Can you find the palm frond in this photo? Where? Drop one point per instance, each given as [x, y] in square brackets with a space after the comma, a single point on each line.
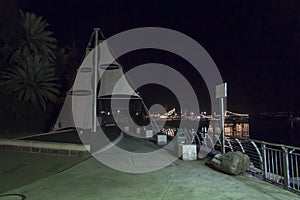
[33, 80]
[36, 39]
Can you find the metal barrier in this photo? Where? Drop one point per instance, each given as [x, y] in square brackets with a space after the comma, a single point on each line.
[281, 165]
[277, 163]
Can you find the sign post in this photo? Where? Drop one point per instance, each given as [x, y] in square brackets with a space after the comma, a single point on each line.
[221, 93]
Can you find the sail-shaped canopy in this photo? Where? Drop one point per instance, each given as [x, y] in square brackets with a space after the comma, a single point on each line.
[80, 97]
[111, 75]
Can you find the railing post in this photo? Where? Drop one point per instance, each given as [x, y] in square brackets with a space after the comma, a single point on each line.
[286, 167]
[264, 159]
[258, 152]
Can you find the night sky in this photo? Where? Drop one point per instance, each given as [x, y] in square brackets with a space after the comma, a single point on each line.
[255, 44]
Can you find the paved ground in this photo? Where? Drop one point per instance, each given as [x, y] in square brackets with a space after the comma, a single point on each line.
[91, 180]
[17, 169]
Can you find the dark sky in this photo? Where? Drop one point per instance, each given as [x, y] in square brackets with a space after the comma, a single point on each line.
[255, 44]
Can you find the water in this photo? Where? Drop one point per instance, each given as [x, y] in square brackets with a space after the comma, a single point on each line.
[231, 129]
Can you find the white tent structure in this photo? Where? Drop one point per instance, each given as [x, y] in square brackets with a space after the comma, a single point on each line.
[99, 67]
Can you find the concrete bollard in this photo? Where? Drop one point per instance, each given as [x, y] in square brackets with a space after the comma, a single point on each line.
[126, 128]
[149, 134]
[161, 139]
[187, 151]
[138, 130]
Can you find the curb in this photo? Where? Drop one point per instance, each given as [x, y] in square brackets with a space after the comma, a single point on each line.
[64, 149]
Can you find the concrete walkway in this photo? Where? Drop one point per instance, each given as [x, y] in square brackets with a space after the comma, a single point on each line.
[18, 169]
[91, 180]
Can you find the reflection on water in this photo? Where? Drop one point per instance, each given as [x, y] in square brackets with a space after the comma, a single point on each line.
[232, 128]
[236, 129]
[280, 128]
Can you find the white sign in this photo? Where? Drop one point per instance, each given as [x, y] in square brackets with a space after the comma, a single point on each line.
[221, 90]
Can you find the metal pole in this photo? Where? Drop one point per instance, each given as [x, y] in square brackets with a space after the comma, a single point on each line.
[222, 126]
[264, 160]
[221, 93]
[95, 80]
[286, 167]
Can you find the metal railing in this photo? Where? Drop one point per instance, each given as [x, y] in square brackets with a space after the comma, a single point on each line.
[281, 165]
[277, 163]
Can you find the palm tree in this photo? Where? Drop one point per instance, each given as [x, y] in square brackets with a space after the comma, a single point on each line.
[32, 79]
[35, 39]
[27, 64]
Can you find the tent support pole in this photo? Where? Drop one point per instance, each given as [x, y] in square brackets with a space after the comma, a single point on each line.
[152, 121]
[95, 80]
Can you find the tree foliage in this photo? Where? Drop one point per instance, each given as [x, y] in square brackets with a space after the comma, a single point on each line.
[32, 79]
[35, 39]
[30, 55]
[32, 69]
